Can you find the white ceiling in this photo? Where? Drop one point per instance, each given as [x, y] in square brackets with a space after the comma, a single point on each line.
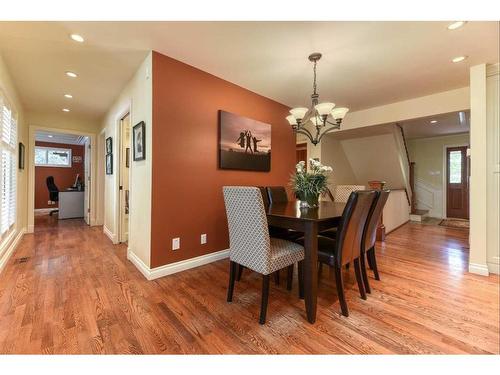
[447, 124]
[364, 64]
[68, 139]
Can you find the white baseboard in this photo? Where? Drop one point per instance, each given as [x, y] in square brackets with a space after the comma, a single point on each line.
[494, 265]
[9, 246]
[169, 269]
[479, 269]
[30, 228]
[110, 234]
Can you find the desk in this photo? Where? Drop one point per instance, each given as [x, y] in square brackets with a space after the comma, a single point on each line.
[71, 204]
[310, 221]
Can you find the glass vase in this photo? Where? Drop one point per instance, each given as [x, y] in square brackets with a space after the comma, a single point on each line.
[309, 200]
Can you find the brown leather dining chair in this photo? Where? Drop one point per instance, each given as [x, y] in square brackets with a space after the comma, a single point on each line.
[370, 236]
[345, 248]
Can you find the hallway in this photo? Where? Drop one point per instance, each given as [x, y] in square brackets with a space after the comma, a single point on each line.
[67, 289]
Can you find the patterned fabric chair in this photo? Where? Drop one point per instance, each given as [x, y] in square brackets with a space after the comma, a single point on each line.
[342, 192]
[250, 243]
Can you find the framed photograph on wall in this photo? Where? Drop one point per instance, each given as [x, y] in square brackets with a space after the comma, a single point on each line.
[21, 156]
[244, 144]
[139, 141]
[109, 164]
[109, 145]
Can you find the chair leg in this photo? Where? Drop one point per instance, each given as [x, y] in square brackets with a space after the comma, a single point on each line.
[364, 274]
[277, 277]
[265, 298]
[232, 272]
[289, 277]
[357, 271]
[371, 254]
[300, 267]
[340, 290]
[240, 272]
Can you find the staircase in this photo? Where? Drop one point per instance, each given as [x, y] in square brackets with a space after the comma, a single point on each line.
[417, 215]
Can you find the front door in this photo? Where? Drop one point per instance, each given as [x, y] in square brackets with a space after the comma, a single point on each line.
[457, 183]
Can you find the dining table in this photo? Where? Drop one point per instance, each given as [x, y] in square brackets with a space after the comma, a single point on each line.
[310, 221]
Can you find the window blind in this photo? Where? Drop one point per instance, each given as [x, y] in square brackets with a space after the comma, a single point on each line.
[8, 167]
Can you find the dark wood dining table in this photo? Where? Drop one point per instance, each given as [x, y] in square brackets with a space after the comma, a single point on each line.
[310, 221]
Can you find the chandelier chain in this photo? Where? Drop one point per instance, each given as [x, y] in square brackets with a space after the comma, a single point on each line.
[314, 84]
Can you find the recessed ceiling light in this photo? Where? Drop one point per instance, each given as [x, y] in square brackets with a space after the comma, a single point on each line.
[65, 110]
[71, 74]
[69, 96]
[50, 135]
[459, 59]
[433, 121]
[456, 25]
[77, 38]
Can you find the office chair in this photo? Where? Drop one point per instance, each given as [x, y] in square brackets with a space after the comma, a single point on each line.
[53, 192]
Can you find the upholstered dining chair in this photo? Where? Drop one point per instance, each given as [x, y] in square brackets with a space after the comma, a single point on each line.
[250, 243]
[343, 192]
[370, 236]
[345, 248]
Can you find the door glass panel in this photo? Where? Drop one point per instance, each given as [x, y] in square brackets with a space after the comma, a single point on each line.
[455, 167]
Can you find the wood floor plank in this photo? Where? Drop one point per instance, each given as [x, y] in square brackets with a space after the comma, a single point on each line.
[77, 293]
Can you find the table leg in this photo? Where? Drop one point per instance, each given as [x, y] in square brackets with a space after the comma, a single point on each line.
[311, 270]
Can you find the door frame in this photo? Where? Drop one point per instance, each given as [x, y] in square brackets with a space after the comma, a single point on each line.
[127, 109]
[445, 180]
[31, 169]
[119, 172]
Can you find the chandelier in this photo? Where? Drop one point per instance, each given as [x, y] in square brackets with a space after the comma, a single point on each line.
[323, 116]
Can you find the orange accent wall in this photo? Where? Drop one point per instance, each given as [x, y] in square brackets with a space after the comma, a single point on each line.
[63, 177]
[186, 181]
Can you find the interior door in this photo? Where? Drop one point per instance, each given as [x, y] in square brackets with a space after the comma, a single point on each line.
[124, 176]
[86, 171]
[301, 153]
[457, 183]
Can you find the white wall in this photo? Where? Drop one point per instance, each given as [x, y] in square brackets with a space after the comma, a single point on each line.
[136, 96]
[333, 155]
[375, 158]
[493, 168]
[396, 211]
[11, 238]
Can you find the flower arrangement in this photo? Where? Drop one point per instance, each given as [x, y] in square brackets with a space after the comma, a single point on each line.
[308, 186]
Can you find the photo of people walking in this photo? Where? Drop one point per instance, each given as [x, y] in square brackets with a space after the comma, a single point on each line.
[244, 143]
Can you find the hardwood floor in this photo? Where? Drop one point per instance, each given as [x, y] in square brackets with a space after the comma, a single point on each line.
[77, 293]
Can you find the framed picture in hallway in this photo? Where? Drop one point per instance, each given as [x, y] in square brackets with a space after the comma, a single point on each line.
[244, 144]
[109, 164]
[139, 141]
[109, 145]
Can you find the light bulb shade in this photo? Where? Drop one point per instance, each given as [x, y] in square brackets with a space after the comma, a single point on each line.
[339, 113]
[291, 120]
[324, 108]
[299, 112]
[316, 120]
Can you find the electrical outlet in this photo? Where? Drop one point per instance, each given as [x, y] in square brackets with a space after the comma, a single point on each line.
[203, 239]
[176, 243]
[49, 202]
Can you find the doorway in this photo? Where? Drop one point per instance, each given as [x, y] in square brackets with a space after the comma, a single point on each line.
[457, 182]
[301, 152]
[124, 178]
[60, 164]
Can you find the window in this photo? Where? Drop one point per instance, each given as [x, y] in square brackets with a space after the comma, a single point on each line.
[52, 157]
[8, 167]
[455, 167]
